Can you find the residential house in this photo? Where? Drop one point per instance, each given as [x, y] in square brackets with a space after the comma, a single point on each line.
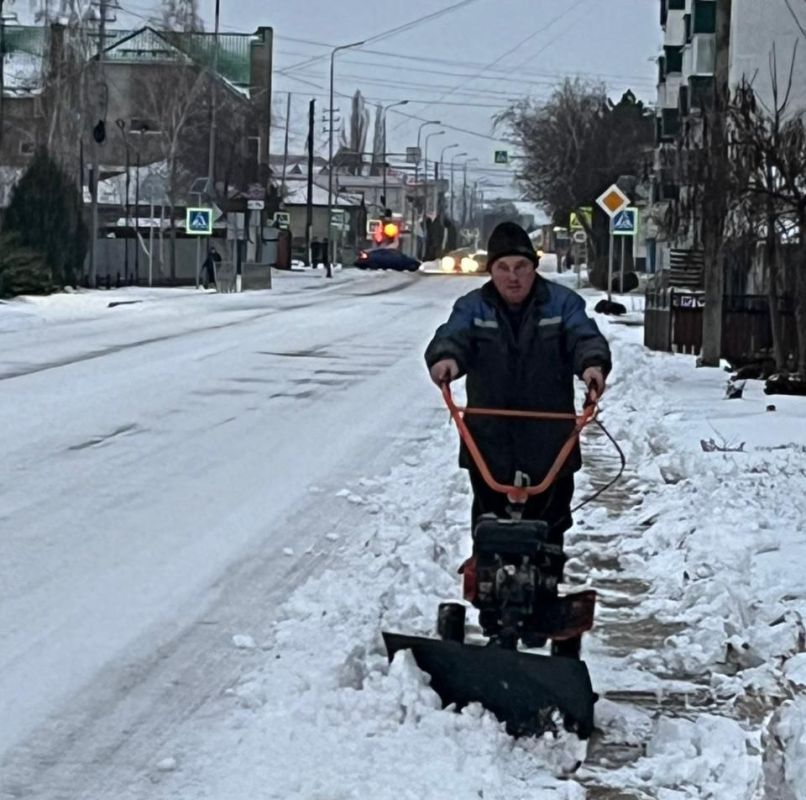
[148, 103]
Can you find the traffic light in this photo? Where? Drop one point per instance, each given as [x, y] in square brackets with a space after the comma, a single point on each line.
[387, 234]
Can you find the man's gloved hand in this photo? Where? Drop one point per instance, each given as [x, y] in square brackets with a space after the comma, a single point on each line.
[595, 381]
[444, 371]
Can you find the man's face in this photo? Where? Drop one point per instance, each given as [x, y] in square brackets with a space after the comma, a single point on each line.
[513, 277]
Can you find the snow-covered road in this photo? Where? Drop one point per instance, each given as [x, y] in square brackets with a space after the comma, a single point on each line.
[148, 448]
[211, 505]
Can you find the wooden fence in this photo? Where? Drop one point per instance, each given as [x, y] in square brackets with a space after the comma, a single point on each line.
[673, 323]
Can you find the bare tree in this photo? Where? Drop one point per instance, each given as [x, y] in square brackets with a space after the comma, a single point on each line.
[759, 135]
[173, 105]
[714, 203]
[574, 145]
[179, 15]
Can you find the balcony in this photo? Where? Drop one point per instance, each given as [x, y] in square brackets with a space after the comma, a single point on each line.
[699, 57]
[669, 92]
[675, 30]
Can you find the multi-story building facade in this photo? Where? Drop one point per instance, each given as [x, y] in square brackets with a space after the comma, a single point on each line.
[685, 90]
[761, 34]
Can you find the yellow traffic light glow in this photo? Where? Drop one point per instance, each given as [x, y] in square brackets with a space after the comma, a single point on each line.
[390, 230]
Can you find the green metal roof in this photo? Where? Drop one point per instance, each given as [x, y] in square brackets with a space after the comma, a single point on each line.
[233, 48]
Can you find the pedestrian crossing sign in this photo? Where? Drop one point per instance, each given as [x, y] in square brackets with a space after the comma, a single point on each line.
[625, 223]
[199, 221]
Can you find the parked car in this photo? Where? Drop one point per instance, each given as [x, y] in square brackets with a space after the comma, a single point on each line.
[386, 258]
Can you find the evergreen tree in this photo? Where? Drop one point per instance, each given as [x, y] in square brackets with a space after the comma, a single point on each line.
[22, 270]
[45, 216]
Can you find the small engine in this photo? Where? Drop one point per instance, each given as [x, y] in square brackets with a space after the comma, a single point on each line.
[514, 573]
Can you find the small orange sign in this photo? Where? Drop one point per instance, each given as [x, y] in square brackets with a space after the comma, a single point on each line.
[613, 201]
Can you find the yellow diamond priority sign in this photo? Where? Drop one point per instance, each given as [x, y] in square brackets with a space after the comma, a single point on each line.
[613, 201]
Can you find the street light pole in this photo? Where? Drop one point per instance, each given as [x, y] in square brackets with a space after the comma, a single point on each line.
[441, 172]
[425, 159]
[384, 109]
[329, 265]
[453, 161]
[416, 181]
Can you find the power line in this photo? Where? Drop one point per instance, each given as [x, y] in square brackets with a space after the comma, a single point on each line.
[478, 93]
[398, 29]
[520, 44]
[372, 100]
[472, 65]
[537, 78]
[442, 73]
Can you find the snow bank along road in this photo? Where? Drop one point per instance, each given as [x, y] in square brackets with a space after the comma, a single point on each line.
[212, 505]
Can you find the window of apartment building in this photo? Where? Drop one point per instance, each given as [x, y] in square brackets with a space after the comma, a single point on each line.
[674, 59]
[661, 69]
[670, 123]
[700, 91]
[683, 101]
[677, 5]
[704, 16]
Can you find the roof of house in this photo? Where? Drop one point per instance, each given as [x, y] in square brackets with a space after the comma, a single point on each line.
[297, 195]
[28, 44]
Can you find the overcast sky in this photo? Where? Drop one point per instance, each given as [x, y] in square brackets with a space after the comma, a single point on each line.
[461, 68]
[529, 43]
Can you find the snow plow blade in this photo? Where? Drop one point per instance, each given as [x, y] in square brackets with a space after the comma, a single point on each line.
[521, 689]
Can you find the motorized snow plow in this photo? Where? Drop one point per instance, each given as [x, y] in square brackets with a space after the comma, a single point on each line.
[512, 578]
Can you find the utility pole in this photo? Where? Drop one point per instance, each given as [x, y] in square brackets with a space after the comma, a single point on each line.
[714, 203]
[99, 134]
[425, 158]
[453, 161]
[285, 147]
[137, 221]
[2, 66]
[309, 203]
[213, 105]
[464, 191]
[441, 171]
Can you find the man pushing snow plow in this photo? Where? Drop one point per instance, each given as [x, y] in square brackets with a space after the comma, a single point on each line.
[519, 340]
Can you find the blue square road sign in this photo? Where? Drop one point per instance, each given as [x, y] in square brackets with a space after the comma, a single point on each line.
[625, 223]
[199, 221]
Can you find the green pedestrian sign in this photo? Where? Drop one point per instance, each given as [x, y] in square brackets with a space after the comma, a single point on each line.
[501, 157]
[199, 221]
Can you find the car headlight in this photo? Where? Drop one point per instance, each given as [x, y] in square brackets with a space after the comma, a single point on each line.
[447, 264]
[469, 265]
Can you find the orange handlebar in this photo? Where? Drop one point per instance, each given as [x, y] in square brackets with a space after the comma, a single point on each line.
[517, 494]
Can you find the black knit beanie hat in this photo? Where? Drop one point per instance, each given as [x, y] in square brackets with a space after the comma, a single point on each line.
[509, 239]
